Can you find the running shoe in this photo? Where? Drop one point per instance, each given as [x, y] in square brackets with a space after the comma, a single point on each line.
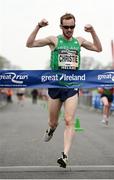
[105, 122]
[48, 134]
[63, 160]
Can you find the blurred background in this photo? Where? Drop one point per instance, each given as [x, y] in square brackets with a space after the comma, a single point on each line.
[19, 17]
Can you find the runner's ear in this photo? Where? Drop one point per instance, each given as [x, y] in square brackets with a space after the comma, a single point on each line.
[61, 26]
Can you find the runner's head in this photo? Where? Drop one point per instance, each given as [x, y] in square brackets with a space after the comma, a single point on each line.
[67, 24]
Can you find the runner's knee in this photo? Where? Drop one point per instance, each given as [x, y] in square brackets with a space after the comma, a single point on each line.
[69, 121]
[106, 105]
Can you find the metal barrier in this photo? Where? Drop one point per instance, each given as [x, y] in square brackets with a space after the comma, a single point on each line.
[3, 99]
[89, 100]
[96, 102]
[85, 100]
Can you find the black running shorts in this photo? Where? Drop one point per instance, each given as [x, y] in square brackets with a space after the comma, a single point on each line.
[108, 96]
[62, 94]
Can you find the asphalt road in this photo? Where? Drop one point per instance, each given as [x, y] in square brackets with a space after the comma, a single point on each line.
[24, 155]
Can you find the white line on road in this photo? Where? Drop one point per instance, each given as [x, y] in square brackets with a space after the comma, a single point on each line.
[56, 168]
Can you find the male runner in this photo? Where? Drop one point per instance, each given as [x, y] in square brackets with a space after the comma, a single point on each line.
[65, 54]
[106, 98]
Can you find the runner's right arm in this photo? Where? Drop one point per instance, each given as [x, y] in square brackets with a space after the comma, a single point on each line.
[32, 42]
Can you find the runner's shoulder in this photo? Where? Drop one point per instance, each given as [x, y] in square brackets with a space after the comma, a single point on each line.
[53, 41]
[80, 39]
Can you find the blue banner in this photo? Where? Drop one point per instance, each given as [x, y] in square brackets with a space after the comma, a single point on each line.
[56, 78]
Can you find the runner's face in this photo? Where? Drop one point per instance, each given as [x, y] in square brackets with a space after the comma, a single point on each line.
[68, 28]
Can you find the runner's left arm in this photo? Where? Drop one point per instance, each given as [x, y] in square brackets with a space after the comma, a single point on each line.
[93, 46]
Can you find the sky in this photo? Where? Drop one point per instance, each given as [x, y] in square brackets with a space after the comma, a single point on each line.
[18, 18]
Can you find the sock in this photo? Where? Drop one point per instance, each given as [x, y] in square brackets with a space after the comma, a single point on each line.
[64, 155]
[51, 131]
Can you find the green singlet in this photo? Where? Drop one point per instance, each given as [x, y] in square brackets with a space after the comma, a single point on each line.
[108, 91]
[66, 55]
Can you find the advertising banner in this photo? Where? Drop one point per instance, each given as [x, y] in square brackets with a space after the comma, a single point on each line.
[56, 78]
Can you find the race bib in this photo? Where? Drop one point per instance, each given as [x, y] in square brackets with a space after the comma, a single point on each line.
[68, 59]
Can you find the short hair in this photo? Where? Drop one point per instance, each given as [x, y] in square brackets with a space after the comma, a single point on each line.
[67, 16]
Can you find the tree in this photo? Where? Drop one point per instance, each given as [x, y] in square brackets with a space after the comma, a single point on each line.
[4, 63]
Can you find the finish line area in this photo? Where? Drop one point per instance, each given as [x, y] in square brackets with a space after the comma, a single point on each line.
[54, 172]
[56, 168]
[56, 78]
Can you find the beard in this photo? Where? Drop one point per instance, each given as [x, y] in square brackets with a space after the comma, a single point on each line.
[68, 34]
